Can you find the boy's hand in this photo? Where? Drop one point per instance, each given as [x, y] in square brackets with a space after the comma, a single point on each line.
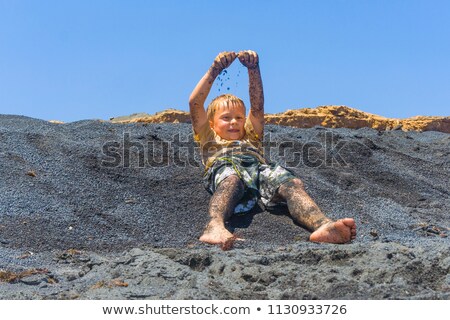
[249, 58]
[223, 61]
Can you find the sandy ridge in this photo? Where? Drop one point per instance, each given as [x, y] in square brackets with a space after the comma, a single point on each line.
[325, 116]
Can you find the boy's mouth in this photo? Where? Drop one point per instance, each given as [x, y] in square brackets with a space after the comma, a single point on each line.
[233, 130]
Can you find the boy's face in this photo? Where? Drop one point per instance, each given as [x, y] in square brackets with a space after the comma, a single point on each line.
[229, 120]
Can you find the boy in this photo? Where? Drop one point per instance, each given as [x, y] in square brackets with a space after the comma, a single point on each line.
[236, 173]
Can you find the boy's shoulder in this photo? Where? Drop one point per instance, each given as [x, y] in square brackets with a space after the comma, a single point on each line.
[203, 133]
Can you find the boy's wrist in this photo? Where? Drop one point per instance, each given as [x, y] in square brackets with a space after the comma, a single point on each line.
[253, 68]
[214, 71]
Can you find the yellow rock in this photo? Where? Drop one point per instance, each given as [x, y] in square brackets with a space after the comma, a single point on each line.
[326, 116]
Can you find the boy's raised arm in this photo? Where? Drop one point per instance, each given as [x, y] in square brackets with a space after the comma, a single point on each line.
[201, 91]
[251, 61]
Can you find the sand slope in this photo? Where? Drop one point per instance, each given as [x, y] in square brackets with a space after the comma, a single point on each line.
[74, 224]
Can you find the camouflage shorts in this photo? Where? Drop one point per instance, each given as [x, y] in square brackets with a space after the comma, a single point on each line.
[260, 180]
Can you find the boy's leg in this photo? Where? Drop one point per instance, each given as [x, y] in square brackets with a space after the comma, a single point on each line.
[221, 208]
[306, 212]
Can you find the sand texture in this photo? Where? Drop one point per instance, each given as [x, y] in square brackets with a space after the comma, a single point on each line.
[77, 224]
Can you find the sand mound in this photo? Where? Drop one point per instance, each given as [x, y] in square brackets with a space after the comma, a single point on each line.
[325, 116]
[99, 210]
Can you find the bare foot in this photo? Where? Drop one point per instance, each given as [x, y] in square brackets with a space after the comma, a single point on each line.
[340, 231]
[216, 233]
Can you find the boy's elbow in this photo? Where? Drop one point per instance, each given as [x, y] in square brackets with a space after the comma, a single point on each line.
[193, 105]
[193, 101]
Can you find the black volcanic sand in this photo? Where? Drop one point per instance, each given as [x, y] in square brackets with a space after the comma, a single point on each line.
[76, 225]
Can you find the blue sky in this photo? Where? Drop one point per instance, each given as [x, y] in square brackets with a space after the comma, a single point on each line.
[74, 60]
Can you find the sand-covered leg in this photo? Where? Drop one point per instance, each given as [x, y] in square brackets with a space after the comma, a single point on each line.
[221, 208]
[305, 211]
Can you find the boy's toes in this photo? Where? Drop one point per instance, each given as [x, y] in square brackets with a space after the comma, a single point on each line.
[349, 222]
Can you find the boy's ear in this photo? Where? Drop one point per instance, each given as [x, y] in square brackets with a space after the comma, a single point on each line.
[211, 123]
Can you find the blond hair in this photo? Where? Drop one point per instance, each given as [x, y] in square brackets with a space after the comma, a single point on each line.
[229, 99]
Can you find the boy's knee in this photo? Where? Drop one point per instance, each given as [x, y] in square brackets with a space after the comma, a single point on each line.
[294, 183]
[290, 186]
